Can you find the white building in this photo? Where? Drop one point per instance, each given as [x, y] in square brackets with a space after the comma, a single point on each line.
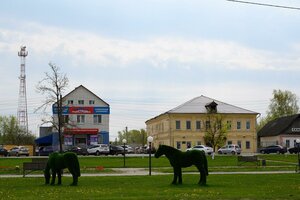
[86, 116]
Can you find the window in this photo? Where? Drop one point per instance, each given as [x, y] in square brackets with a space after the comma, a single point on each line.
[239, 143]
[80, 119]
[80, 102]
[238, 125]
[247, 144]
[178, 145]
[66, 119]
[198, 142]
[247, 125]
[70, 102]
[188, 144]
[91, 102]
[287, 143]
[177, 125]
[97, 119]
[228, 125]
[188, 125]
[229, 142]
[198, 125]
[207, 125]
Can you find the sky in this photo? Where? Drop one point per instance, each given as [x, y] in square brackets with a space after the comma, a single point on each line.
[147, 57]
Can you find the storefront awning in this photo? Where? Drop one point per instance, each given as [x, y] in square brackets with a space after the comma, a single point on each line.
[46, 140]
[90, 131]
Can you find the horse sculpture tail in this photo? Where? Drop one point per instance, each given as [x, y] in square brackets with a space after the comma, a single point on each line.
[77, 167]
[206, 165]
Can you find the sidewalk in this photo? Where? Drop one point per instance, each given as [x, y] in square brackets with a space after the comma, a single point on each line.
[145, 172]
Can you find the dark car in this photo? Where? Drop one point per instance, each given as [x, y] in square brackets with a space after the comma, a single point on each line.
[273, 149]
[45, 150]
[116, 150]
[3, 151]
[294, 150]
[78, 150]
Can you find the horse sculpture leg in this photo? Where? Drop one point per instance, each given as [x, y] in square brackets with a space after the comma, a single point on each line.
[59, 177]
[203, 174]
[53, 177]
[177, 174]
[74, 175]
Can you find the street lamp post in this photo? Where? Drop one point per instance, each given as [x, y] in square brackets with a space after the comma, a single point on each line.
[150, 140]
[124, 143]
[298, 149]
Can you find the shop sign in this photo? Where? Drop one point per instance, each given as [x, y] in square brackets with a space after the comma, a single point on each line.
[295, 129]
[82, 110]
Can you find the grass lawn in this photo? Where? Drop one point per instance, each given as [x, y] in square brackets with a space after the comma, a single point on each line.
[264, 186]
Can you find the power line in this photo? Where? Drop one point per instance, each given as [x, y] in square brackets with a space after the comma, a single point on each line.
[264, 4]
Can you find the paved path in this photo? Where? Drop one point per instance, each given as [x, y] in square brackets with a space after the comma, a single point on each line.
[145, 172]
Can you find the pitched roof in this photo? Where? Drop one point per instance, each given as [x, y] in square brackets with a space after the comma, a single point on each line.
[81, 86]
[278, 126]
[199, 104]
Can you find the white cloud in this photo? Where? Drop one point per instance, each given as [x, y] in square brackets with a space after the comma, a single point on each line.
[162, 52]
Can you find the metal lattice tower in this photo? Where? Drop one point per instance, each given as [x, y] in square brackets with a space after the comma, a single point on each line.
[22, 103]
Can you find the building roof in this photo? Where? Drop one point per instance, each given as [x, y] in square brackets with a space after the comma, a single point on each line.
[278, 126]
[81, 86]
[200, 104]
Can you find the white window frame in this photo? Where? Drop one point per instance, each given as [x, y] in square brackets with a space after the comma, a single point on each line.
[80, 119]
[97, 119]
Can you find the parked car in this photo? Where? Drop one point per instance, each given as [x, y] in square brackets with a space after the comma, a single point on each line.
[18, 151]
[230, 149]
[207, 150]
[116, 150]
[78, 150]
[45, 150]
[3, 151]
[294, 150]
[273, 149]
[128, 149]
[98, 149]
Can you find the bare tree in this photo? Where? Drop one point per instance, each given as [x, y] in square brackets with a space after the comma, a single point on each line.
[216, 130]
[53, 86]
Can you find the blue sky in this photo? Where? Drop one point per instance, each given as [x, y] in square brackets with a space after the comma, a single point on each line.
[146, 57]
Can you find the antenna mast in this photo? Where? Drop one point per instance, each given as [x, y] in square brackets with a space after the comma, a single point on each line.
[22, 104]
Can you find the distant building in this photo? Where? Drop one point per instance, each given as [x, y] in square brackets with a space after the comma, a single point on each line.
[281, 131]
[185, 125]
[87, 116]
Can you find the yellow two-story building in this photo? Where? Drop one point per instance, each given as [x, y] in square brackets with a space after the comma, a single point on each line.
[186, 125]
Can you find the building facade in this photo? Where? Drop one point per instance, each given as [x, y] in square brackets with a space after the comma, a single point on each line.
[186, 125]
[86, 118]
[282, 131]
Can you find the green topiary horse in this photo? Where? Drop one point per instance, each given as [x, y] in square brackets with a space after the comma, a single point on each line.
[179, 159]
[57, 162]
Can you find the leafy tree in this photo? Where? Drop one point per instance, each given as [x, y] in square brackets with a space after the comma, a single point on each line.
[53, 85]
[283, 103]
[11, 133]
[216, 130]
[133, 136]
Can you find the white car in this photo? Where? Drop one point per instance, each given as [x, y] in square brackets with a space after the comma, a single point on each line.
[98, 149]
[207, 150]
[128, 149]
[230, 149]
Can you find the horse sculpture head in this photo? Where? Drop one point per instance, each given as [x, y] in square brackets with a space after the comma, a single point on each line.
[160, 151]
